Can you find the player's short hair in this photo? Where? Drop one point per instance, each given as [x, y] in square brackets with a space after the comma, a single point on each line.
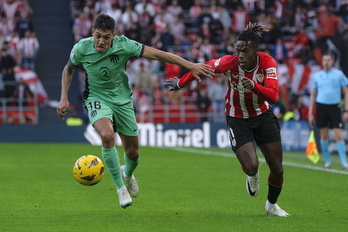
[329, 54]
[251, 33]
[104, 22]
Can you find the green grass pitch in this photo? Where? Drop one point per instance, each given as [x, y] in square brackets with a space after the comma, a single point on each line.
[181, 189]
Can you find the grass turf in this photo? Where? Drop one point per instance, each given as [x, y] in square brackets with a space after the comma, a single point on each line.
[181, 189]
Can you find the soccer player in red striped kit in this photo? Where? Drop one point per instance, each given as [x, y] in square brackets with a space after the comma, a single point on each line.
[253, 86]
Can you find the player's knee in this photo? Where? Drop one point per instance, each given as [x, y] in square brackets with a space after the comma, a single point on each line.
[132, 153]
[107, 137]
[277, 174]
[250, 169]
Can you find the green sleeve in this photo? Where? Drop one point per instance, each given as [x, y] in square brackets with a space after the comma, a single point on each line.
[75, 55]
[134, 48]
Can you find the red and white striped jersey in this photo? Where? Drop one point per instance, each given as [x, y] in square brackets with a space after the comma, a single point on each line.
[241, 102]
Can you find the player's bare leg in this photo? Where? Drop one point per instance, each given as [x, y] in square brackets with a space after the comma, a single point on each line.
[247, 157]
[274, 157]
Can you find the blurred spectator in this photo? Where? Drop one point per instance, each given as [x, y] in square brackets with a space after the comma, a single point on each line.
[22, 94]
[166, 39]
[302, 106]
[157, 94]
[10, 9]
[279, 51]
[175, 9]
[6, 26]
[7, 65]
[23, 24]
[225, 18]
[208, 50]
[344, 10]
[215, 92]
[216, 30]
[143, 105]
[133, 32]
[328, 27]
[145, 6]
[129, 16]
[204, 18]
[240, 18]
[302, 46]
[102, 6]
[28, 47]
[144, 79]
[178, 29]
[194, 12]
[279, 108]
[2, 40]
[115, 11]
[203, 104]
[174, 97]
[172, 70]
[82, 26]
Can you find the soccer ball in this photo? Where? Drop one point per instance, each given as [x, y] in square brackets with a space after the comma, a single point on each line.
[88, 170]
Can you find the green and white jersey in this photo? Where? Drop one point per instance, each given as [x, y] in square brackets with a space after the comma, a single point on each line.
[106, 77]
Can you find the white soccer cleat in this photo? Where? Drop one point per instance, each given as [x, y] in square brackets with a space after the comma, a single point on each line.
[275, 210]
[345, 167]
[131, 183]
[327, 166]
[124, 197]
[252, 185]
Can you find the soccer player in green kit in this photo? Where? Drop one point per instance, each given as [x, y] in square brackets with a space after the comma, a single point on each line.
[108, 97]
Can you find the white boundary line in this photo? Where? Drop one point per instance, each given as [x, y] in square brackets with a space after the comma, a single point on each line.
[224, 154]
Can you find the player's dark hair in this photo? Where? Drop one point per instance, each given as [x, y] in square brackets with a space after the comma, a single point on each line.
[104, 22]
[251, 33]
[329, 54]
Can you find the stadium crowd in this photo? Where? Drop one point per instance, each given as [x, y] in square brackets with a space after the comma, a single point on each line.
[18, 49]
[198, 30]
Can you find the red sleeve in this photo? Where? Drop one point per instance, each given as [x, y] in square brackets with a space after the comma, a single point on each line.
[220, 65]
[270, 89]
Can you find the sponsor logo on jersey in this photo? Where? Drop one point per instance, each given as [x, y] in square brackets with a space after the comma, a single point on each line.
[271, 73]
[114, 58]
[93, 113]
[105, 73]
[217, 62]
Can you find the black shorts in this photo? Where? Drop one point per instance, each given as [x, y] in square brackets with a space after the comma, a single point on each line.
[262, 129]
[328, 116]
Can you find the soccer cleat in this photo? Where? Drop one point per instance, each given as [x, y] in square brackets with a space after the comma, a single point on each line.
[327, 166]
[275, 210]
[252, 185]
[131, 183]
[345, 167]
[124, 198]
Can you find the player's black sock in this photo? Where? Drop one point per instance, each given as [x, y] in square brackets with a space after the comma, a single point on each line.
[274, 189]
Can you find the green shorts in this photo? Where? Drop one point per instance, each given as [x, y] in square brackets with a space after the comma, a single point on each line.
[122, 116]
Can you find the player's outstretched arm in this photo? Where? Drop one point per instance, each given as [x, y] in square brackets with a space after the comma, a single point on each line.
[198, 69]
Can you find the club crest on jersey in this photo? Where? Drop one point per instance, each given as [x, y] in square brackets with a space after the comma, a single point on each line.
[260, 77]
[72, 53]
[114, 58]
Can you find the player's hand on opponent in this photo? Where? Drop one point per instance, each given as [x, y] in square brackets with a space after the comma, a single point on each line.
[200, 69]
[62, 107]
[172, 84]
